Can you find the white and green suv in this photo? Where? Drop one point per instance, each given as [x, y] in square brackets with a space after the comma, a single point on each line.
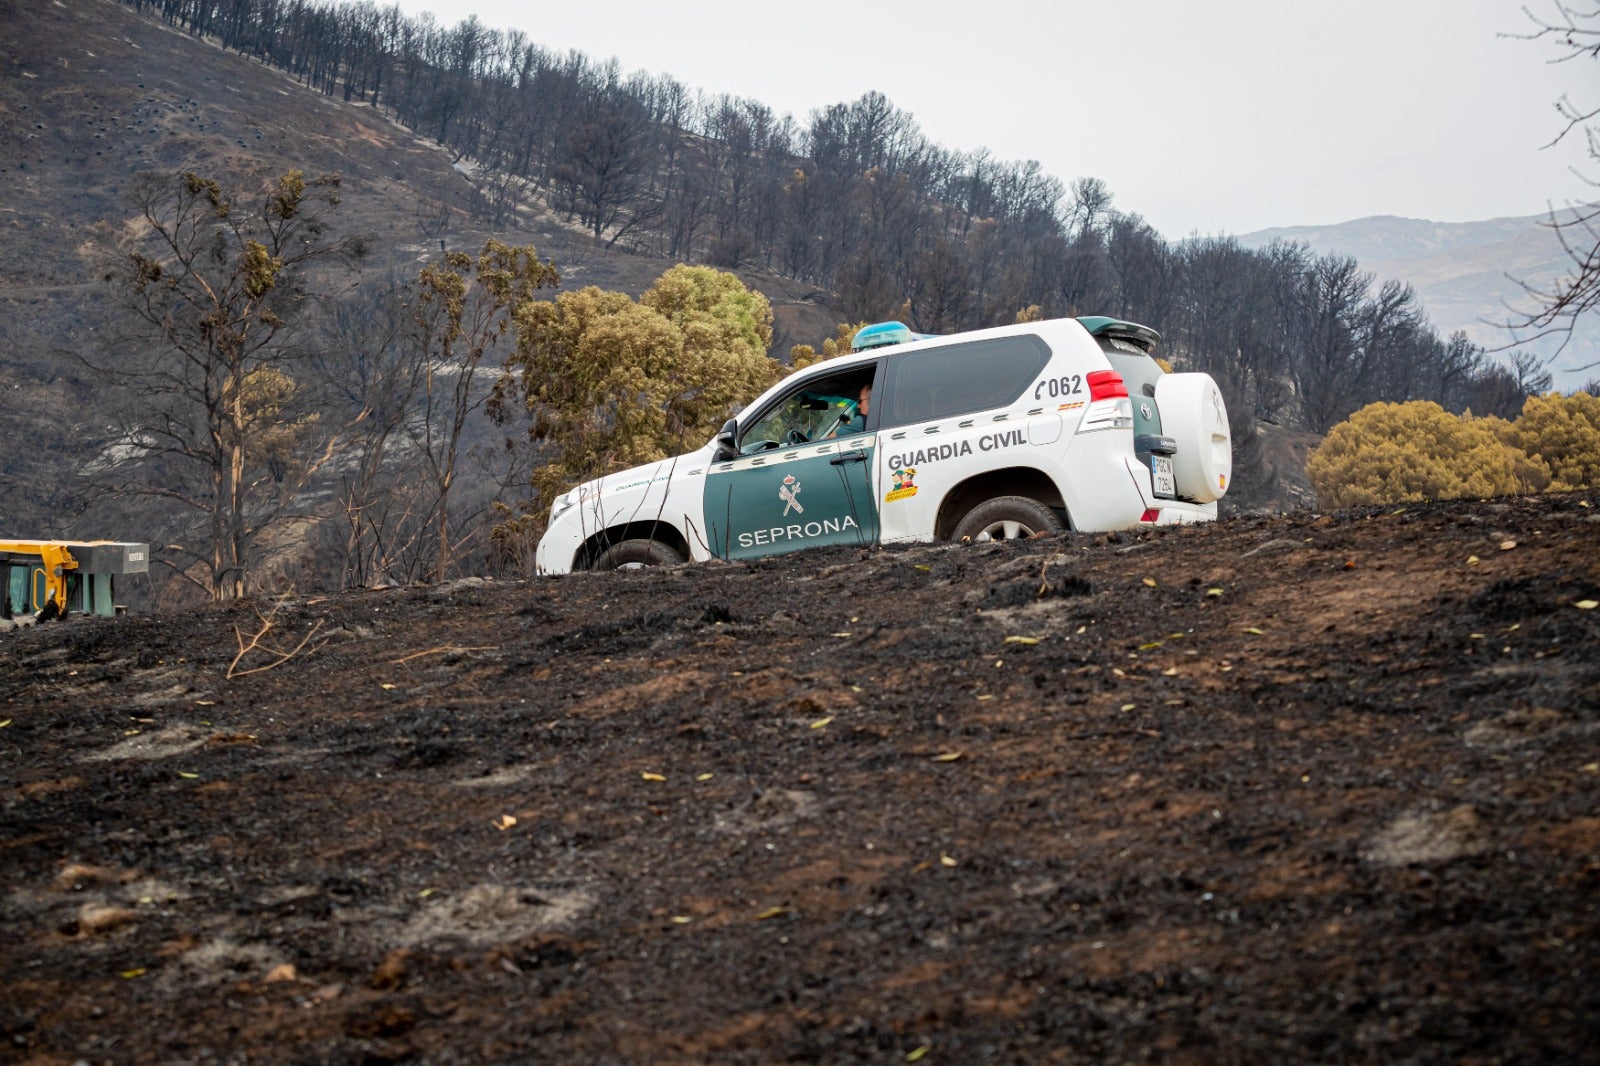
[989, 435]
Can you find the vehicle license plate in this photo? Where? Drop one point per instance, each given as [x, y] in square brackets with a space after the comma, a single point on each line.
[1161, 475]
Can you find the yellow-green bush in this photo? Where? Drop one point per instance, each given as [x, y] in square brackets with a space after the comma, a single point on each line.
[1564, 432]
[1415, 451]
[610, 383]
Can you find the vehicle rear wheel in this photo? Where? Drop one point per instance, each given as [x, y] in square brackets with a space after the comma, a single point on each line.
[1006, 518]
[636, 555]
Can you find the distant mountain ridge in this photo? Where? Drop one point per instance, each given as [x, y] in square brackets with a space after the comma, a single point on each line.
[1466, 275]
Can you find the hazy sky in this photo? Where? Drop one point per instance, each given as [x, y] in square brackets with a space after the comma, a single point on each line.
[1204, 116]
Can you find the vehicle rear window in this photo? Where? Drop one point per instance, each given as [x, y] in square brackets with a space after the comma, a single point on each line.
[1138, 368]
[961, 379]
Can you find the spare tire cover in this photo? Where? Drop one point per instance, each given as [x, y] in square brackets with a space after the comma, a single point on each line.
[1194, 416]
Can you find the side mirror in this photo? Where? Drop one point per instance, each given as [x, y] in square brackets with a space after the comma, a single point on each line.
[724, 441]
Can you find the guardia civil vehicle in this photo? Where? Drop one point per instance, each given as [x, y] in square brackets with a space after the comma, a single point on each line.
[989, 435]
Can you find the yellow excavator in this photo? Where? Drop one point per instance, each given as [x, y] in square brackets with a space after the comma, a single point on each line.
[47, 579]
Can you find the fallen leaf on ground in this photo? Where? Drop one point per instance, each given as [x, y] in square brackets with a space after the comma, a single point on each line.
[1022, 640]
[186, 774]
[680, 919]
[947, 756]
[1582, 605]
[1150, 582]
[1253, 631]
[915, 1054]
[139, 971]
[280, 973]
[945, 860]
[1507, 545]
[704, 777]
[648, 776]
[391, 972]
[821, 722]
[505, 821]
[772, 912]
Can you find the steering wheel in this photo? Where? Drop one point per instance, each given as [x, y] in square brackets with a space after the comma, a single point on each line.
[794, 436]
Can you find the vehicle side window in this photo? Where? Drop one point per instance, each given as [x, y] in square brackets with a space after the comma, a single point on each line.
[961, 379]
[820, 409]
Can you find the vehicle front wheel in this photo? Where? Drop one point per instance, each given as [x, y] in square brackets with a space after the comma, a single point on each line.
[1007, 518]
[637, 554]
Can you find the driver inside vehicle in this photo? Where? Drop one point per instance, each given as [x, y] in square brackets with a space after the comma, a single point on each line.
[856, 420]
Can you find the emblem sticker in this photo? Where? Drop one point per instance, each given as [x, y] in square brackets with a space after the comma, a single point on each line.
[904, 487]
[787, 493]
[811, 530]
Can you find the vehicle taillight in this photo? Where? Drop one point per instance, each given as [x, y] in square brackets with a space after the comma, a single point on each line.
[1109, 405]
[1105, 385]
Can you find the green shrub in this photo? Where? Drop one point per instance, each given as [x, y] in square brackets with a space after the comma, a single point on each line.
[1564, 432]
[1416, 451]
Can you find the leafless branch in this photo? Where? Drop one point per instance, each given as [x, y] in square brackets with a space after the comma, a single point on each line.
[254, 643]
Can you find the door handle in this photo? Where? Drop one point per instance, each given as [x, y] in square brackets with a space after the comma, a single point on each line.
[851, 457]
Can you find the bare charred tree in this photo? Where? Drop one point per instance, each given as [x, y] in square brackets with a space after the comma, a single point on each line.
[1328, 363]
[462, 310]
[606, 169]
[941, 289]
[1457, 365]
[1143, 270]
[214, 414]
[373, 376]
[1531, 376]
[1576, 33]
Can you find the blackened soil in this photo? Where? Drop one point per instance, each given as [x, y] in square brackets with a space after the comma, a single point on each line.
[1299, 789]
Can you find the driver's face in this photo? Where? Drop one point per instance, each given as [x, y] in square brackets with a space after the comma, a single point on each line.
[866, 398]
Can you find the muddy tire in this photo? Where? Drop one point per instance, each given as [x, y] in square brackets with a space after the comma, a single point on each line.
[636, 555]
[1006, 518]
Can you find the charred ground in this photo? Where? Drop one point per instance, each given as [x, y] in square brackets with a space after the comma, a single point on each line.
[1314, 788]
